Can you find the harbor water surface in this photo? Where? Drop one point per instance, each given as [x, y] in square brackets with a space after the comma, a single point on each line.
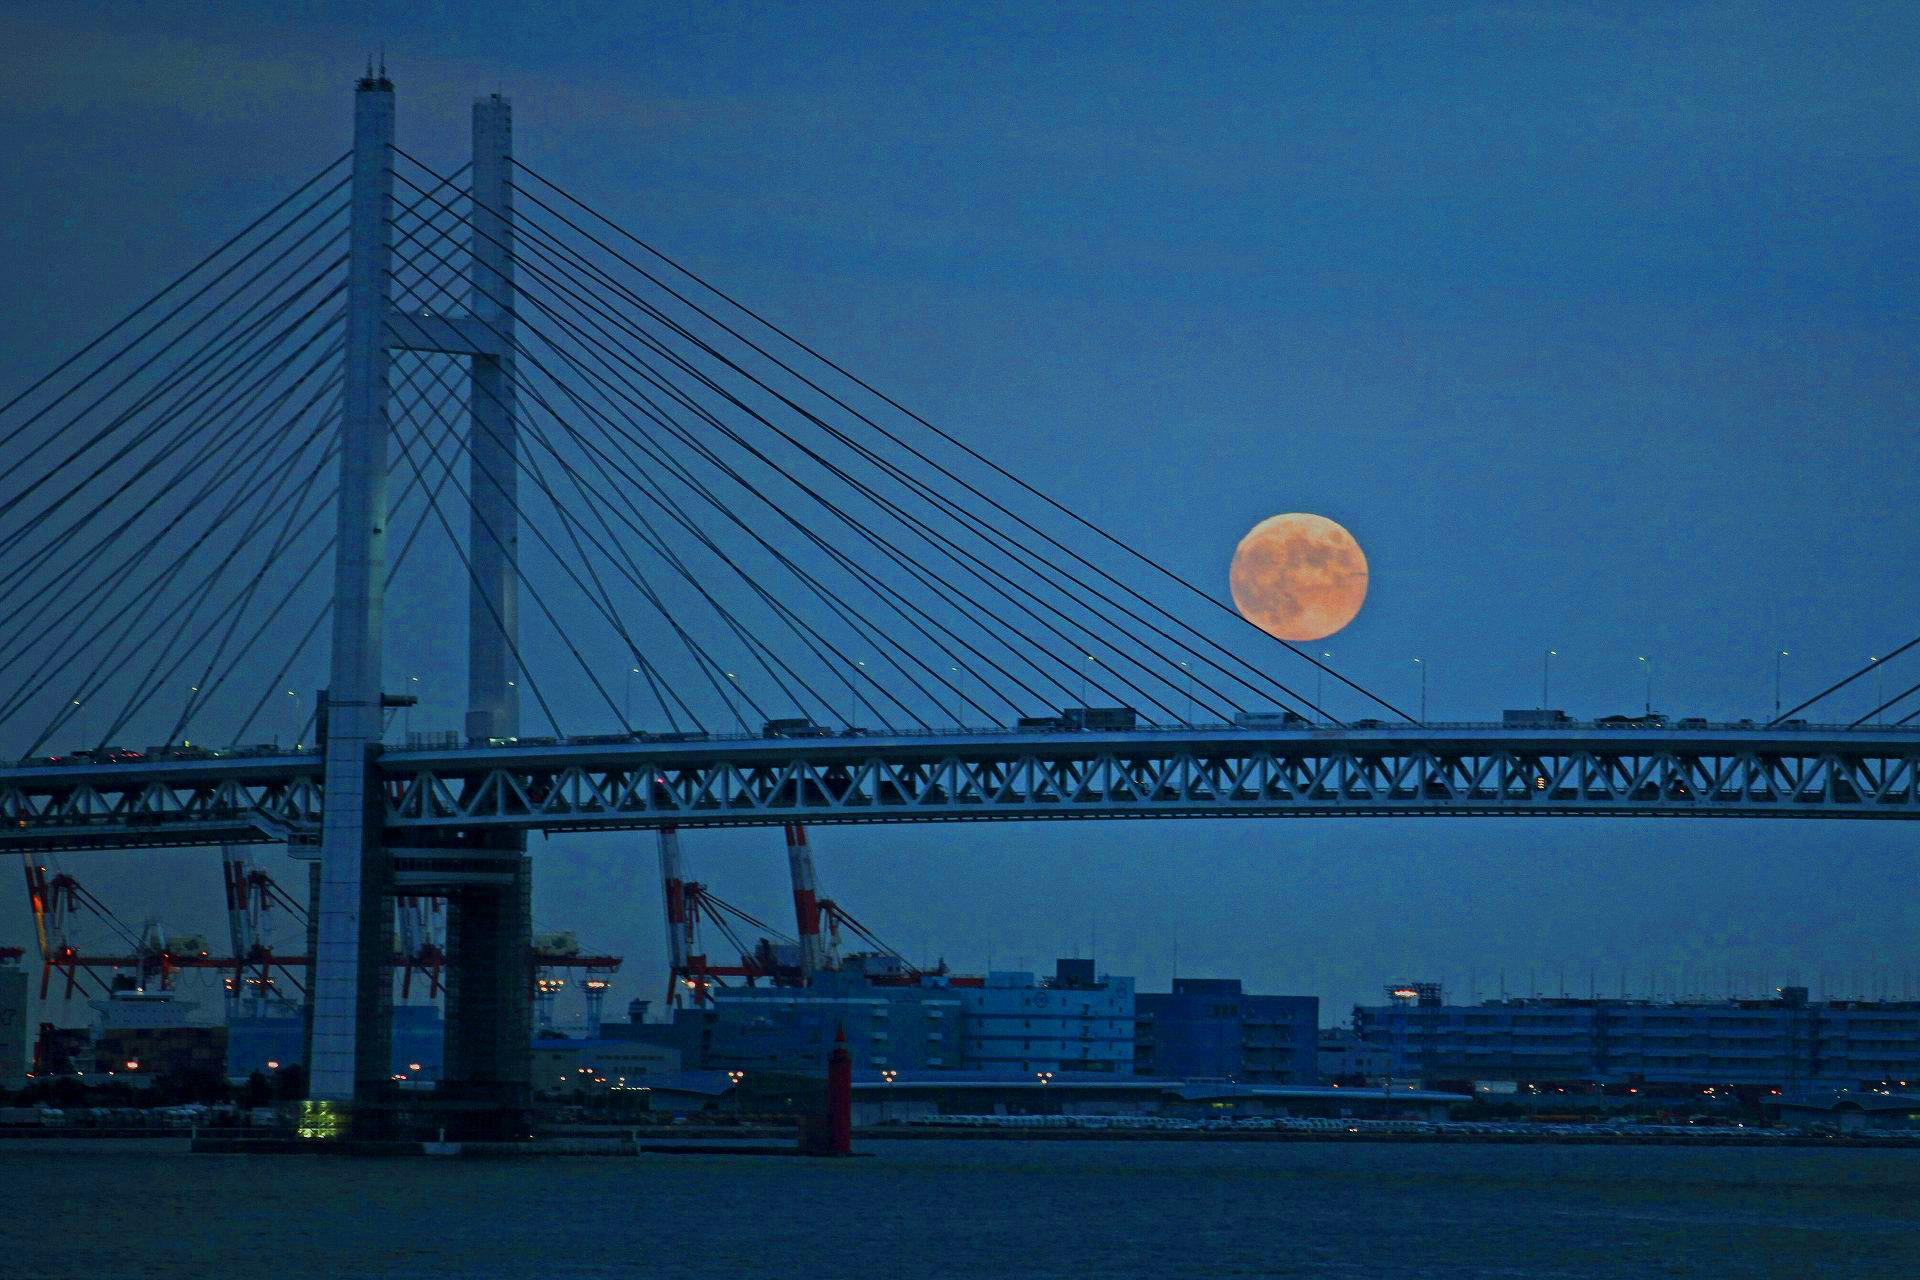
[972, 1209]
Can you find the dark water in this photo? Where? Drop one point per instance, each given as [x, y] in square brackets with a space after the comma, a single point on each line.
[972, 1209]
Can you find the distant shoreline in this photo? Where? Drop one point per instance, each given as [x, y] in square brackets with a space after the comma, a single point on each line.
[622, 1140]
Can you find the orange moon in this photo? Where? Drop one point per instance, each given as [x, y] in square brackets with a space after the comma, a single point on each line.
[1297, 576]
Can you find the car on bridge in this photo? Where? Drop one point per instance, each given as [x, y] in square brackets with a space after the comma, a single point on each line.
[795, 727]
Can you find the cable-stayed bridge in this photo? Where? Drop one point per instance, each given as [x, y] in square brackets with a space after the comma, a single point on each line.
[696, 573]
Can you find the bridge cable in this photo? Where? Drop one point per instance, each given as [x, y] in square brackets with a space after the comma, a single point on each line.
[607, 607]
[239, 438]
[1841, 684]
[965, 559]
[101, 435]
[270, 505]
[944, 545]
[289, 529]
[153, 592]
[604, 603]
[679, 470]
[851, 566]
[129, 317]
[225, 338]
[326, 607]
[1902, 696]
[473, 576]
[759, 649]
[971, 452]
[899, 557]
[917, 567]
[236, 461]
[238, 366]
[540, 534]
[647, 667]
[96, 680]
[885, 504]
[534, 360]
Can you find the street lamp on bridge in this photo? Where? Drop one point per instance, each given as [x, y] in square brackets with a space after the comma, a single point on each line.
[853, 699]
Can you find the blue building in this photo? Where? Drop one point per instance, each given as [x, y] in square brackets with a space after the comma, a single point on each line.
[1076, 1020]
[1210, 1029]
[893, 1020]
[268, 1041]
[1787, 1043]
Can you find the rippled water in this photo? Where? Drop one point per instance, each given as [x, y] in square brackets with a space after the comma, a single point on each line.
[973, 1209]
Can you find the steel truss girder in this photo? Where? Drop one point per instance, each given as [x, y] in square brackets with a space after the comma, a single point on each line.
[1317, 779]
[999, 777]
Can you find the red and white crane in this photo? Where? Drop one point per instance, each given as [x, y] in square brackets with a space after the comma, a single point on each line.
[692, 975]
[814, 952]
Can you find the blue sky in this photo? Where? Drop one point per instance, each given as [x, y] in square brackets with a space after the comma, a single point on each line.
[1594, 324]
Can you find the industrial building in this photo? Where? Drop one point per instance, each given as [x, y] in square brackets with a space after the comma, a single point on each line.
[268, 1040]
[1347, 1059]
[892, 1097]
[1076, 1020]
[888, 1022]
[563, 1067]
[1854, 1111]
[899, 1019]
[13, 1019]
[1209, 1029]
[1787, 1042]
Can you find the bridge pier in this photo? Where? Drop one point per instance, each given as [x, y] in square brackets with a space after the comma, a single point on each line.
[485, 1080]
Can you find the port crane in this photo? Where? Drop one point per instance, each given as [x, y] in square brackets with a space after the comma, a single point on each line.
[253, 970]
[775, 957]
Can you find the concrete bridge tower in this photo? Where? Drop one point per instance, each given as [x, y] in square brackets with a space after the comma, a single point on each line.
[486, 878]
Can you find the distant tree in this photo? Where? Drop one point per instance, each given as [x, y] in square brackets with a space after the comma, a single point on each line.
[290, 1083]
[201, 1084]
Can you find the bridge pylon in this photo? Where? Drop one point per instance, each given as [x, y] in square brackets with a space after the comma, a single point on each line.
[486, 877]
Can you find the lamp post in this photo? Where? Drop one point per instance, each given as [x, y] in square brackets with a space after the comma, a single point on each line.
[960, 694]
[1546, 674]
[1085, 668]
[1779, 666]
[416, 698]
[1189, 670]
[626, 700]
[1319, 683]
[853, 699]
[1648, 707]
[733, 701]
[1880, 699]
[81, 712]
[298, 723]
[1423, 689]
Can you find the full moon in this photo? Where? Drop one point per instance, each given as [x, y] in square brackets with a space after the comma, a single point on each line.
[1297, 576]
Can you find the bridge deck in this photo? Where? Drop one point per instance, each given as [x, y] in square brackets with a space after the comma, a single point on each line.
[1182, 771]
